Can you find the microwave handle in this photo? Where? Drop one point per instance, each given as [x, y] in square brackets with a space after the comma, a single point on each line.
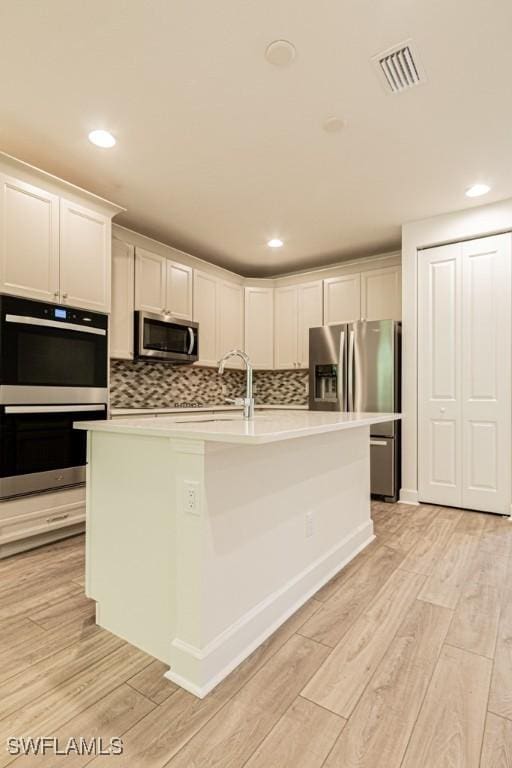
[52, 408]
[192, 339]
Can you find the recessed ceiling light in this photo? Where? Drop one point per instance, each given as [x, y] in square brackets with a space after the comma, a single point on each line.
[102, 139]
[280, 53]
[477, 189]
[275, 243]
[333, 125]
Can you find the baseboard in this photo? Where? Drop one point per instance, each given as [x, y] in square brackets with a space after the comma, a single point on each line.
[408, 496]
[201, 669]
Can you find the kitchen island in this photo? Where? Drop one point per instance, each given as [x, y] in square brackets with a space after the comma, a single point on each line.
[205, 534]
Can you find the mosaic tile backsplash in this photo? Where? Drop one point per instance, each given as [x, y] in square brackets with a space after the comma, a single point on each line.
[159, 385]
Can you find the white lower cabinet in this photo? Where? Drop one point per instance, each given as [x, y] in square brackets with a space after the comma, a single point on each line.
[30, 521]
[259, 326]
[121, 319]
[464, 374]
[297, 309]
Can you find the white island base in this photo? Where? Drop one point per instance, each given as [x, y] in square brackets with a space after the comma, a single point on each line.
[198, 549]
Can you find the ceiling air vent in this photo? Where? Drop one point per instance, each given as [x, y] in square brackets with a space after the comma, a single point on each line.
[399, 68]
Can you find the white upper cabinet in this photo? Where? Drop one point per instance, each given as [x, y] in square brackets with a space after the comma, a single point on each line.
[381, 294]
[206, 314]
[85, 255]
[53, 249]
[310, 316]
[121, 320]
[342, 299]
[179, 289]
[150, 282]
[230, 319]
[29, 240]
[219, 310]
[297, 309]
[259, 326]
[286, 350]
[162, 286]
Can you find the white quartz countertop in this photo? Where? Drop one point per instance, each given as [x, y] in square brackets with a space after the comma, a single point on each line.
[200, 409]
[266, 427]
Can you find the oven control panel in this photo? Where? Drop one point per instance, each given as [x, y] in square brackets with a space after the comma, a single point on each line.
[14, 305]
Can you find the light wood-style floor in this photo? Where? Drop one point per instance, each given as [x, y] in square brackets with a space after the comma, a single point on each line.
[404, 659]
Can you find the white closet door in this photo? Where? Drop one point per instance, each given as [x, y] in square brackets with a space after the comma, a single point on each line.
[464, 385]
[439, 379]
[486, 355]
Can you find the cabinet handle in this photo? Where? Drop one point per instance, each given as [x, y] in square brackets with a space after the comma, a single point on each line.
[56, 294]
[64, 296]
[56, 518]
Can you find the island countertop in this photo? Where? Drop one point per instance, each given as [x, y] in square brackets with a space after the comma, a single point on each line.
[268, 427]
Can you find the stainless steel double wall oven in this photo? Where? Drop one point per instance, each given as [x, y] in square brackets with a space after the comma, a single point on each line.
[53, 372]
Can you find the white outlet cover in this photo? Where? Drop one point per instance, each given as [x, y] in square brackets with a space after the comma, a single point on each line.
[192, 497]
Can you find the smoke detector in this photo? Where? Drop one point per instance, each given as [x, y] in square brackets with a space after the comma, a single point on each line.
[399, 68]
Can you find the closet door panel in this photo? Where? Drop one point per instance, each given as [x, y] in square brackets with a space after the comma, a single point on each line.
[486, 355]
[439, 388]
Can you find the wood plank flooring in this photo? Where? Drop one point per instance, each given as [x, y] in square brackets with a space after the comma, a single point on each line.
[404, 660]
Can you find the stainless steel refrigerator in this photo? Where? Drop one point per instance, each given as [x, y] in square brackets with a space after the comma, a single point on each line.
[357, 367]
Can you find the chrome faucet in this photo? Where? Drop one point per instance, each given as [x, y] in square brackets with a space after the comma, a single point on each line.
[248, 400]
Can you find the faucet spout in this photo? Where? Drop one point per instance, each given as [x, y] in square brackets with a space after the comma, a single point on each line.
[248, 400]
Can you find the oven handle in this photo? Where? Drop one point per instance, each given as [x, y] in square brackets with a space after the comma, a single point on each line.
[54, 324]
[52, 408]
[191, 337]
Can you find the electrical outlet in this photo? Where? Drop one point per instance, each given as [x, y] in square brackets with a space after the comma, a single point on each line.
[309, 524]
[191, 499]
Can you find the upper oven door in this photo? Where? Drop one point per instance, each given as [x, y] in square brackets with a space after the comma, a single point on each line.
[52, 354]
[174, 340]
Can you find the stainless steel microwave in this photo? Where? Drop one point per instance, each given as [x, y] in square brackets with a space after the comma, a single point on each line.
[167, 338]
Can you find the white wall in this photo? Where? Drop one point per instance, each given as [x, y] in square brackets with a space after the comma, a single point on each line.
[451, 227]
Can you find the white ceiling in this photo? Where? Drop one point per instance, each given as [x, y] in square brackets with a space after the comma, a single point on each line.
[218, 150]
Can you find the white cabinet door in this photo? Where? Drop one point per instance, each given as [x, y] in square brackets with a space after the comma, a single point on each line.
[85, 256]
[286, 353]
[464, 374]
[310, 314]
[121, 319]
[150, 282]
[381, 294]
[439, 375]
[486, 361]
[29, 240]
[179, 289]
[205, 313]
[259, 326]
[342, 299]
[230, 314]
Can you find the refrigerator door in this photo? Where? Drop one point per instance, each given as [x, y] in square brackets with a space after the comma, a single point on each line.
[374, 370]
[327, 368]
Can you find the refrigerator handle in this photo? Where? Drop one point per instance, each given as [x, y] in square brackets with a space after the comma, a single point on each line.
[342, 392]
[351, 371]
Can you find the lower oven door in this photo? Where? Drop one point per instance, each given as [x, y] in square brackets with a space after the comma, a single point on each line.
[40, 450]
